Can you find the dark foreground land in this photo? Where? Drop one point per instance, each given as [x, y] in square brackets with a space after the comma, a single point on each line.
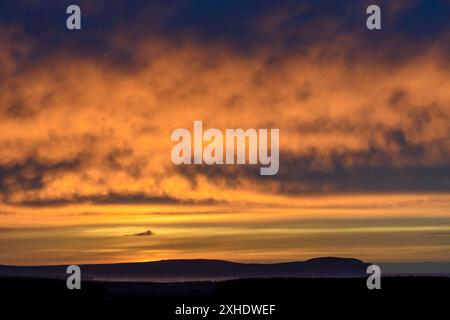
[294, 298]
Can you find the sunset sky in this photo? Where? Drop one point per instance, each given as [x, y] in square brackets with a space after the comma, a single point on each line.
[86, 118]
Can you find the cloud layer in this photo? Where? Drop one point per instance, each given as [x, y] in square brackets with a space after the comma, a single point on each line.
[87, 116]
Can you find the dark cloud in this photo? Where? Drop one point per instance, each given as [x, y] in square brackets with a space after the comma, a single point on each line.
[290, 26]
[141, 234]
[113, 199]
[29, 174]
[371, 170]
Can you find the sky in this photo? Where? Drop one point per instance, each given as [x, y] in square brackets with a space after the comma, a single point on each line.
[86, 118]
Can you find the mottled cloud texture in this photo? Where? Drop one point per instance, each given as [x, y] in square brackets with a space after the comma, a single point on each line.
[86, 116]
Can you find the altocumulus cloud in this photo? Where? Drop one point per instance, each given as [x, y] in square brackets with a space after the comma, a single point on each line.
[310, 69]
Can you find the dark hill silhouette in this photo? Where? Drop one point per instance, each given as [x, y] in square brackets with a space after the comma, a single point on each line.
[193, 270]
